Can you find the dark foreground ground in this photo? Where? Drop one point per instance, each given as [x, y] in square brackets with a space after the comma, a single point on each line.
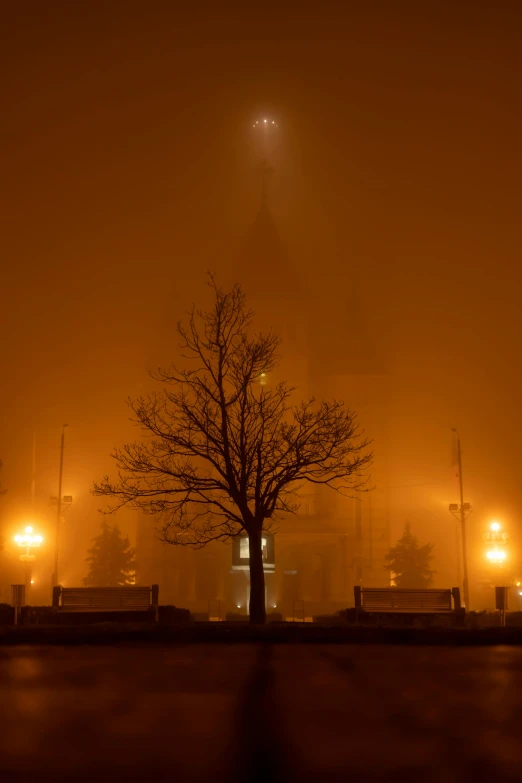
[260, 712]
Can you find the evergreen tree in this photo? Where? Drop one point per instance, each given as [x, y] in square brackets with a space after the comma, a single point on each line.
[410, 562]
[111, 559]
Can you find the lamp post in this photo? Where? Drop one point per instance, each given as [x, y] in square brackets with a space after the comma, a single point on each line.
[28, 540]
[59, 500]
[61, 505]
[462, 511]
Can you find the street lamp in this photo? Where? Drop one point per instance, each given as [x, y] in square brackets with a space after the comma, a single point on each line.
[59, 501]
[62, 505]
[462, 511]
[28, 540]
[497, 538]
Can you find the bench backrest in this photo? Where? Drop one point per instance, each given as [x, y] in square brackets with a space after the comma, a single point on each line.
[397, 599]
[128, 597]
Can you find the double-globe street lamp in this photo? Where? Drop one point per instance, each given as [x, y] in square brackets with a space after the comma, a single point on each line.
[497, 539]
[28, 540]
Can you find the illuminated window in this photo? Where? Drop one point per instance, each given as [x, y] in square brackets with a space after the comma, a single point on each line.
[244, 553]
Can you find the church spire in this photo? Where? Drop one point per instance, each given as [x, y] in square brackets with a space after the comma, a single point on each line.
[266, 137]
[263, 262]
[266, 171]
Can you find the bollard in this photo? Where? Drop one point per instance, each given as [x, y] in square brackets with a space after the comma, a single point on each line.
[502, 602]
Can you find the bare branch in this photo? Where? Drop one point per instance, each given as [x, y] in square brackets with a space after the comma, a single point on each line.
[222, 454]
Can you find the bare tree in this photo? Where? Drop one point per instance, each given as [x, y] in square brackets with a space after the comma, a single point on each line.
[225, 454]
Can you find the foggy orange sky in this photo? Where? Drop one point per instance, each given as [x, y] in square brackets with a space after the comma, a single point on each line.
[126, 174]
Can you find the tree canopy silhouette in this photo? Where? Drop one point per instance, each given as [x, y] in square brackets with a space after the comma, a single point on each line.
[111, 559]
[410, 562]
[227, 453]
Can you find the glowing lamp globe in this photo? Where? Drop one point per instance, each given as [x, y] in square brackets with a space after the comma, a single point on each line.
[28, 539]
[496, 556]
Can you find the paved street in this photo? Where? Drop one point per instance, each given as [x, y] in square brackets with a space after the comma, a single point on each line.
[259, 712]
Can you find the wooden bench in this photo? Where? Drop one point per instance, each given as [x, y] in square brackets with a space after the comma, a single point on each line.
[131, 598]
[400, 600]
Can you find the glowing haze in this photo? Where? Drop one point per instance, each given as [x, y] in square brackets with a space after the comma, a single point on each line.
[130, 147]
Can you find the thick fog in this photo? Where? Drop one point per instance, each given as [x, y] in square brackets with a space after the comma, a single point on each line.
[130, 169]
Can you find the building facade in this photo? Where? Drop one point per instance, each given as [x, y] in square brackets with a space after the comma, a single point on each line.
[333, 542]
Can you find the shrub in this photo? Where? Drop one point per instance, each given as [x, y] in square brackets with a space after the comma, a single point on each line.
[173, 615]
[6, 614]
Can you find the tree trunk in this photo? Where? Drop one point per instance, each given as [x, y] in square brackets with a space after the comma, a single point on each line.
[257, 579]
